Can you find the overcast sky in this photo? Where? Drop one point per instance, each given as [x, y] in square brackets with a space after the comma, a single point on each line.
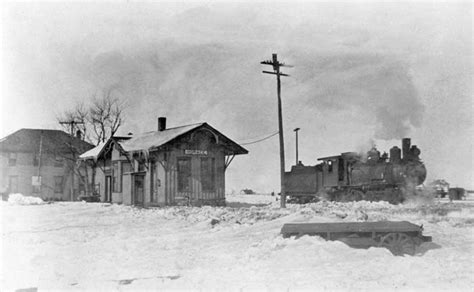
[363, 73]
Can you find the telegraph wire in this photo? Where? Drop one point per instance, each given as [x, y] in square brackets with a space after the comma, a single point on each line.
[260, 140]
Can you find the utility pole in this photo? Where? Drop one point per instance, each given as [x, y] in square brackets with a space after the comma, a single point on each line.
[72, 123]
[276, 71]
[296, 131]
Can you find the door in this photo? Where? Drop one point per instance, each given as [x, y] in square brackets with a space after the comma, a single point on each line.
[138, 189]
[108, 188]
[184, 177]
[158, 188]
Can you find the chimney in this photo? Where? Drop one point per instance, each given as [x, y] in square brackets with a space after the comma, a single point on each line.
[406, 147]
[79, 134]
[161, 124]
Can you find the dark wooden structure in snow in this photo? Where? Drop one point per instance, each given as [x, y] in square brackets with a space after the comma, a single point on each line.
[399, 237]
[180, 165]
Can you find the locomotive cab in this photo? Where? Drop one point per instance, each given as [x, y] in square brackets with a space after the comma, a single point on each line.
[332, 170]
[337, 170]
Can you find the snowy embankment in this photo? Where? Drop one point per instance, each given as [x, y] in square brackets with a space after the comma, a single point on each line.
[19, 199]
[94, 246]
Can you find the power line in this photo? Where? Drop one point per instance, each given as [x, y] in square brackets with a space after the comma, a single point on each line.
[260, 140]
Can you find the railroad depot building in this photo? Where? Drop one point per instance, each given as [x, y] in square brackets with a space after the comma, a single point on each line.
[41, 163]
[180, 165]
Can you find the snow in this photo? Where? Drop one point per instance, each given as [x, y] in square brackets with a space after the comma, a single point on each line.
[148, 140]
[99, 246]
[19, 199]
[94, 152]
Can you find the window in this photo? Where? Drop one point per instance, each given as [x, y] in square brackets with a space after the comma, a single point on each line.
[184, 174]
[35, 160]
[58, 184]
[329, 165]
[208, 177]
[340, 169]
[116, 179]
[12, 159]
[126, 167]
[141, 165]
[13, 184]
[58, 161]
[82, 184]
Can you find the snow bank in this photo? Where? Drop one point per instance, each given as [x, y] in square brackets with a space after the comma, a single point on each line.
[237, 200]
[222, 215]
[19, 199]
[109, 247]
[255, 211]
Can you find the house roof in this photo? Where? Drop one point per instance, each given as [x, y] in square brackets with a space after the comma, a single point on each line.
[152, 140]
[51, 141]
[99, 149]
[94, 152]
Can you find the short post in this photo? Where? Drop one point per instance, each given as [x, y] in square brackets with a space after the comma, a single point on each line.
[296, 132]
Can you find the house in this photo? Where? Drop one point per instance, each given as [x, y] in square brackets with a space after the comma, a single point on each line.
[180, 165]
[41, 163]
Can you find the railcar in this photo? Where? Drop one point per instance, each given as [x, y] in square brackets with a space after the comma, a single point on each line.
[351, 176]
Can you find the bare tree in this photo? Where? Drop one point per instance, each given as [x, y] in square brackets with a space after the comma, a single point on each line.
[98, 122]
[105, 117]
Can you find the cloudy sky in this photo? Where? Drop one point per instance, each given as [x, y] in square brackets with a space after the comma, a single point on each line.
[363, 73]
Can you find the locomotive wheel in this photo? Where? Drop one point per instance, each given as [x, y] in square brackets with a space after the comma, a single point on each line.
[398, 244]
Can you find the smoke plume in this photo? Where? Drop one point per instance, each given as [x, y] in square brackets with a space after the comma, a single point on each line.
[376, 87]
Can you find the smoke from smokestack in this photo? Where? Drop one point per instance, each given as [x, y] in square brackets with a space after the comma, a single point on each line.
[372, 85]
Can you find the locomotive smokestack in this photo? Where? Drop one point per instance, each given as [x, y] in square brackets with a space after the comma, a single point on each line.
[406, 147]
[395, 154]
[161, 124]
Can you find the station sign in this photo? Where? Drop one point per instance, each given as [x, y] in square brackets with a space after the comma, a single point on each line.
[195, 152]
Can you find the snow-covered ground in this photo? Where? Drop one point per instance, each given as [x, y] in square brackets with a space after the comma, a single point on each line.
[97, 246]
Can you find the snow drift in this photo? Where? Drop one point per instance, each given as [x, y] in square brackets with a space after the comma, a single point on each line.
[19, 199]
[100, 246]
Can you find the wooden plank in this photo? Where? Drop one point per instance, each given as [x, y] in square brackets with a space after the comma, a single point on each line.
[384, 226]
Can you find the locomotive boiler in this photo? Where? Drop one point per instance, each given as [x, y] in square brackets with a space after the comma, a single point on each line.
[353, 177]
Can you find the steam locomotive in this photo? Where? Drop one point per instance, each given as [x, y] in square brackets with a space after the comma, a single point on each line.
[354, 177]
